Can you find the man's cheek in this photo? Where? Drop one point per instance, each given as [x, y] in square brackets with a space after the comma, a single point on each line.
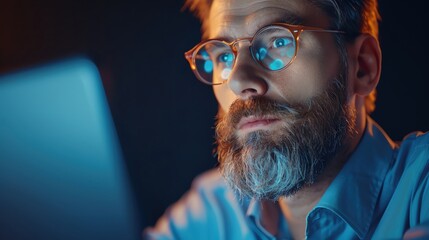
[224, 96]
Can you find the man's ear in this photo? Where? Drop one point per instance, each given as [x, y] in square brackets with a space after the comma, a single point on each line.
[365, 57]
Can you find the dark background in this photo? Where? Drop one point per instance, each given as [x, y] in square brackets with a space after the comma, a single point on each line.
[163, 115]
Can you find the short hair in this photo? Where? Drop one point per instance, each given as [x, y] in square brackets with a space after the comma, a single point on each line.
[351, 16]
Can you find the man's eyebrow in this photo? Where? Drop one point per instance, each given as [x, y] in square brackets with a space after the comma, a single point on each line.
[289, 18]
[286, 17]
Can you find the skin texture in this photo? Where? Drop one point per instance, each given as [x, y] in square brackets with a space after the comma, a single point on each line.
[316, 65]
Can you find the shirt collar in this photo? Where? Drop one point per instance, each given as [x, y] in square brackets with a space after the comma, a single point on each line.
[353, 193]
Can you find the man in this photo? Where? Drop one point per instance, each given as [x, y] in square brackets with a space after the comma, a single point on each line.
[299, 155]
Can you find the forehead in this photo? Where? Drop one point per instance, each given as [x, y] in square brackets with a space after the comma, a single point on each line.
[228, 18]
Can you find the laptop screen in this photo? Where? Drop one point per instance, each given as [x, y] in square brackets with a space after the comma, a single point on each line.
[62, 174]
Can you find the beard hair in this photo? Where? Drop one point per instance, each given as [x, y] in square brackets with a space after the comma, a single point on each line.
[268, 164]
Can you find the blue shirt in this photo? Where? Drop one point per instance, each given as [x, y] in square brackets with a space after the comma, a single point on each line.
[381, 192]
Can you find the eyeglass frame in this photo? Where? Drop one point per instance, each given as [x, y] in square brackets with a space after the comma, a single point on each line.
[296, 31]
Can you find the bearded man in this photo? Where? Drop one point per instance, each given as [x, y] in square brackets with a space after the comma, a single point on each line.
[299, 156]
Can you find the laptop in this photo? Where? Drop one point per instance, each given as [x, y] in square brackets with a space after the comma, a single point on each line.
[62, 173]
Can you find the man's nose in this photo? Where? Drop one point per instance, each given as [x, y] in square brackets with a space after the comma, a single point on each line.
[246, 79]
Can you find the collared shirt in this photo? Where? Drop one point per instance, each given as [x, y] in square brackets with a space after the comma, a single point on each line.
[380, 193]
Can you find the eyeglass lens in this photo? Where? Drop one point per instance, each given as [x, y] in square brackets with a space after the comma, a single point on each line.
[272, 47]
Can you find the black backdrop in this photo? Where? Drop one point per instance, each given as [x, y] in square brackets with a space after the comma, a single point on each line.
[164, 117]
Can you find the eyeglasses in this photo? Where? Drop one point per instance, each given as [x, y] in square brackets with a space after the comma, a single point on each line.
[273, 47]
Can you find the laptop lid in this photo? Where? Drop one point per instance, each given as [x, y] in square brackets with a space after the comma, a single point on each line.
[62, 174]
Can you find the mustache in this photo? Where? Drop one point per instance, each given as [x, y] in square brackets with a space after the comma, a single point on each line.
[261, 106]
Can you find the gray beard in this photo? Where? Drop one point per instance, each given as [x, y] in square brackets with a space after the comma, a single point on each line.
[267, 165]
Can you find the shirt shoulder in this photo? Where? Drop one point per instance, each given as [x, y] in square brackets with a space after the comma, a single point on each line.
[202, 212]
[414, 153]
[416, 138]
[211, 186]
[414, 150]
[209, 181]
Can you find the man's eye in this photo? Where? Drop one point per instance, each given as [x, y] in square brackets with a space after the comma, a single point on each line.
[226, 57]
[281, 42]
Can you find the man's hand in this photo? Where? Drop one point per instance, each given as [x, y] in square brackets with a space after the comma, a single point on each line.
[418, 233]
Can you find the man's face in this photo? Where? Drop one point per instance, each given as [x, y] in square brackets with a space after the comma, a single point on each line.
[277, 129]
